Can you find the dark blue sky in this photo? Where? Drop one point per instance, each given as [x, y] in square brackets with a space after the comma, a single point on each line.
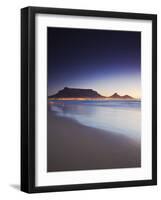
[103, 60]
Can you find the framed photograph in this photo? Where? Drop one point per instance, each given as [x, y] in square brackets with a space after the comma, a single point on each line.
[88, 99]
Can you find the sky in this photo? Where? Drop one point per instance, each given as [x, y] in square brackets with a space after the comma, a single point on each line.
[103, 60]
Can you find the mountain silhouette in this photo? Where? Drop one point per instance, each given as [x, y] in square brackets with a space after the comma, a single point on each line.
[126, 97]
[67, 92]
[76, 93]
[117, 96]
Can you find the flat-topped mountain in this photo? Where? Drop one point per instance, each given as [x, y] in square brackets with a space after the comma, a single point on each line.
[70, 93]
[117, 96]
[76, 93]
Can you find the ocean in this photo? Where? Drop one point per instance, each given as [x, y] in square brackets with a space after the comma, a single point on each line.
[117, 116]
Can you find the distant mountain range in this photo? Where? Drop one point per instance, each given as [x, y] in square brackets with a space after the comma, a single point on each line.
[76, 93]
[117, 96]
[67, 92]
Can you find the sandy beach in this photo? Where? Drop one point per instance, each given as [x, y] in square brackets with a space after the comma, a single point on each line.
[72, 146]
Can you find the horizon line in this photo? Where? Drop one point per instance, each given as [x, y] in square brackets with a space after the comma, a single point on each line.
[105, 96]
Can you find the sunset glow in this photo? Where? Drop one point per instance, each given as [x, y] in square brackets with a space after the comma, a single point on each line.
[105, 61]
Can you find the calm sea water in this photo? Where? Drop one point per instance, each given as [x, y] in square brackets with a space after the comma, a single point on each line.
[118, 116]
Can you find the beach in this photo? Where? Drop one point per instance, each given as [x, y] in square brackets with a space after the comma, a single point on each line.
[73, 146]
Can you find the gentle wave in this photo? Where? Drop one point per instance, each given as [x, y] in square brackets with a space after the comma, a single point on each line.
[119, 116]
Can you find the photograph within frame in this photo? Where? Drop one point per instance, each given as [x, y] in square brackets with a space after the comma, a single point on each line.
[94, 99]
[30, 154]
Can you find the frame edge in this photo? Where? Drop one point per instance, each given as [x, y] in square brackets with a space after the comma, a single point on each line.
[27, 147]
[27, 104]
[154, 99]
[24, 100]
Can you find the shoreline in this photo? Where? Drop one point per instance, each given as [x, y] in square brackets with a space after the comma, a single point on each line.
[72, 146]
[93, 99]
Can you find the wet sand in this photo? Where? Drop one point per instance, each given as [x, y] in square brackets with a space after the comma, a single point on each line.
[72, 146]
